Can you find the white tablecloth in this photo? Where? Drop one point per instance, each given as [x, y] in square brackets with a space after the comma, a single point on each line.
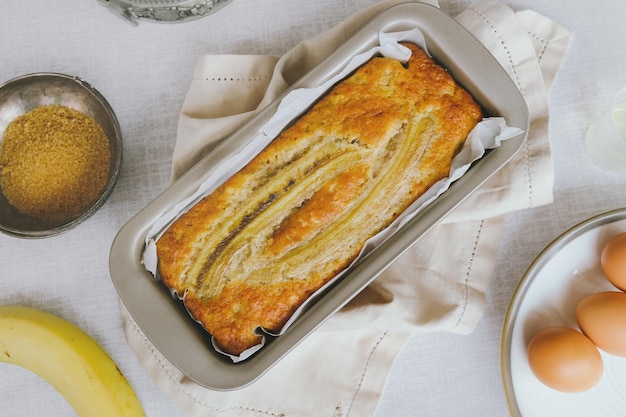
[145, 71]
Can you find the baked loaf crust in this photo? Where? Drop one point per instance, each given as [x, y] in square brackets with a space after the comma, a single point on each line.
[247, 255]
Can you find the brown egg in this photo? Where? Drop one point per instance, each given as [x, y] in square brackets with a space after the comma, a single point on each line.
[565, 359]
[613, 261]
[602, 317]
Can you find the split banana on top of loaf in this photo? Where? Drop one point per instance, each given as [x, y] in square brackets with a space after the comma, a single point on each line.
[250, 253]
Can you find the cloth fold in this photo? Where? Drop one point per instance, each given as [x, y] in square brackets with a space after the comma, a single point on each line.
[343, 366]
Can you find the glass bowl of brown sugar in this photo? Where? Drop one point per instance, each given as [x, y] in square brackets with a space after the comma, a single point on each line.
[60, 153]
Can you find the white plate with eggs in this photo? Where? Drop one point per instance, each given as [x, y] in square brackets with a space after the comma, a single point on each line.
[565, 272]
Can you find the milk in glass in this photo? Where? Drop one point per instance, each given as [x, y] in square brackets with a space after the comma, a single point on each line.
[605, 141]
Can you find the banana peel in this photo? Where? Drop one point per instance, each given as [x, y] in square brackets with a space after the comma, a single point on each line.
[69, 359]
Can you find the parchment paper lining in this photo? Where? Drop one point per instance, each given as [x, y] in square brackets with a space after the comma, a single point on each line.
[488, 134]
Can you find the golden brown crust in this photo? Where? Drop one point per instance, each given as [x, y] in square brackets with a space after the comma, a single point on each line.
[251, 252]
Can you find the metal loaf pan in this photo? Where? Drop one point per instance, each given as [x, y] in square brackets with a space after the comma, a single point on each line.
[164, 320]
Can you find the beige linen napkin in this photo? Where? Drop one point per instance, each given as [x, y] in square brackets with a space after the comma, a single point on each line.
[341, 369]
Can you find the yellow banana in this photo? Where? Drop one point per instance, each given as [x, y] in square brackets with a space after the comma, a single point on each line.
[69, 359]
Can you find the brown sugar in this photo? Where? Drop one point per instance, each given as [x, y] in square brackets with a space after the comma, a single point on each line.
[54, 162]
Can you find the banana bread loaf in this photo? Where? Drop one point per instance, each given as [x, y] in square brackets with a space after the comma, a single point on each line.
[251, 252]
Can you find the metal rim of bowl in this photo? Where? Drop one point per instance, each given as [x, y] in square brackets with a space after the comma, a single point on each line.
[116, 167]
